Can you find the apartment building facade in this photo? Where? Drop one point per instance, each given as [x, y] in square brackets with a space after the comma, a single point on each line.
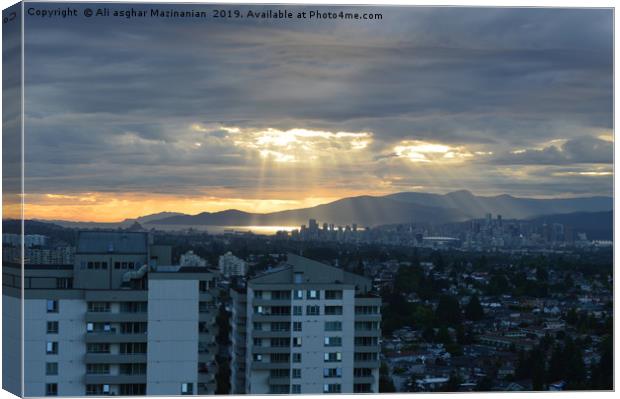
[119, 321]
[309, 328]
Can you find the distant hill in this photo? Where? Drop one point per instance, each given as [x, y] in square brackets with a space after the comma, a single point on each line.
[402, 208]
[406, 207]
[364, 210]
[508, 206]
[596, 225]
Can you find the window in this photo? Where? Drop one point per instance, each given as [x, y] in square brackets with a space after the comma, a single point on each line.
[313, 294]
[331, 388]
[258, 326]
[299, 278]
[258, 342]
[98, 327]
[97, 389]
[97, 368]
[133, 328]
[278, 389]
[258, 357]
[297, 326]
[136, 307]
[362, 388]
[333, 310]
[365, 356]
[333, 326]
[100, 348]
[366, 325]
[51, 348]
[297, 342]
[366, 310]
[333, 294]
[259, 310]
[313, 310]
[333, 357]
[281, 295]
[296, 373]
[366, 341]
[187, 388]
[51, 389]
[332, 372]
[132, 369]
[333, 341]
[295, 388]
[98, 307]
[297, 310]
[132, 347]
[258, 294]
[131, 389]
[51, 368]
[52, 306]
[362, 372]
[52, 327]
[279, 373]
[279, 358]
[280, 342]
[296, 357]
[280, 326]
[299, 294]
[64, 283]
[117, 265]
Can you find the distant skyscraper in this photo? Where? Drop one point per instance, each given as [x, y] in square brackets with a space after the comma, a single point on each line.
[231, 266]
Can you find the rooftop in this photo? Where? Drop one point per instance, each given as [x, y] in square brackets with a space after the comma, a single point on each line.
[102, 242]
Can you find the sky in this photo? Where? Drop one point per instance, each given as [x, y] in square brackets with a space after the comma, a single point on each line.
[130, 117]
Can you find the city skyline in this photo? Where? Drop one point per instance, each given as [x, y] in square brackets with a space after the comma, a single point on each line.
[278, 115]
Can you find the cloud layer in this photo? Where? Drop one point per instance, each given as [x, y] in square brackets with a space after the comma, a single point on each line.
[492, 100]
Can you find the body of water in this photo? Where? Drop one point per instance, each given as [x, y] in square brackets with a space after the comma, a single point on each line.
[265, 230]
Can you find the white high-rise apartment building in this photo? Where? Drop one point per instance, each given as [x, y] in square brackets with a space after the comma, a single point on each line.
[119, 321]
[231, 266]
[309, 328]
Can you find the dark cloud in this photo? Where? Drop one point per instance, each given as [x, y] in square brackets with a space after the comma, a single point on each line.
[110, 103]
[581, 150]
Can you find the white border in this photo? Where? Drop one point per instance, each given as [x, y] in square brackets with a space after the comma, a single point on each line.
[483, 3]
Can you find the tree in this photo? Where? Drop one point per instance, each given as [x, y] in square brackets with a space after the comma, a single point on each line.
[448, 312]
[473, 310]
[452, 385]
[485, 384]
[385, 381]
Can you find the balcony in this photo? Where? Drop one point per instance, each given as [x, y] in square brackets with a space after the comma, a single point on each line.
[270, 334]
[115, 358]
[271, 302]
[114, 379]
[369, 364]
[113, 337]
[263, 317]
[279, 380]
[364, 380]
[115, 317]
[271, 349]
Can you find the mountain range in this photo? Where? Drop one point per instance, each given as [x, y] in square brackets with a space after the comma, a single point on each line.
[405, 207]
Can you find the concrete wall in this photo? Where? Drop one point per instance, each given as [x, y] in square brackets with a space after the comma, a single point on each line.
[71, 347]
[172, 336]
[11, 344]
